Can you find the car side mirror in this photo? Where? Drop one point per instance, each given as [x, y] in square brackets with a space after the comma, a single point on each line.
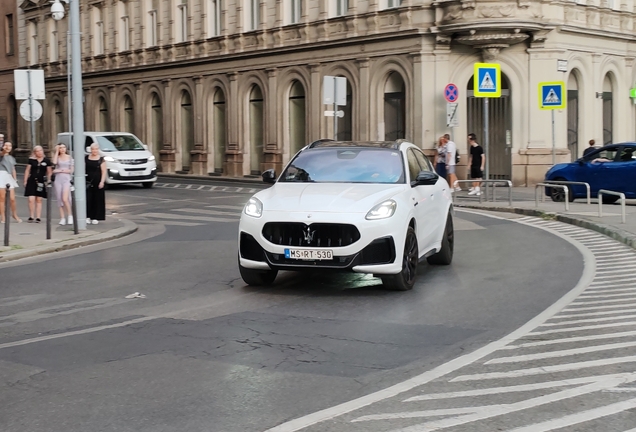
[269, 176]
[581, 161]
[426, 178]
[145, 146]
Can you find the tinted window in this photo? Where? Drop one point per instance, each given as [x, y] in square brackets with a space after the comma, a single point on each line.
[627, 154]
[414, 165]
[425, 164]
[605, 153]
[346, 165]
[113, 143]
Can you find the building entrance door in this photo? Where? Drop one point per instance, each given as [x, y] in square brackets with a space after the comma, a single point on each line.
[499, 127]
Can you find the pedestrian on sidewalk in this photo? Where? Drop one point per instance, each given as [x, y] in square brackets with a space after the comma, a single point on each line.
[95, 182]
[477, 162]
[64, 166]
[440, 157]
[590, 149]
[8, 176]
[451, 155]
[36, 174]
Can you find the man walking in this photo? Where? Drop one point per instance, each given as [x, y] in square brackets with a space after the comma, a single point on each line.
[451, 154]
[477, 161]
[590, 149]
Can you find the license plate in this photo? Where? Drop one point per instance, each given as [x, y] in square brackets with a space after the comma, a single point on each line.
[309, 254]
[135, 173]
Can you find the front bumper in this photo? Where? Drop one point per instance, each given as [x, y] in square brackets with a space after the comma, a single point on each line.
[116, 176]
[374, 252]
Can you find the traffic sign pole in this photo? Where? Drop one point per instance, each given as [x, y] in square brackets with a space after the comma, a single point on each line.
[553, 142]
[31, 111]
[552, 97]
[486, 139]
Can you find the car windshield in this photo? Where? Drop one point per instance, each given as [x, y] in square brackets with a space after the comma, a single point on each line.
[113, 143]
[346, 165]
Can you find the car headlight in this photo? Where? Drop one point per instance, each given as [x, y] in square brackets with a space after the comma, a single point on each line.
[254, 208]
[383, 210]
[110, 159]
[151, 158]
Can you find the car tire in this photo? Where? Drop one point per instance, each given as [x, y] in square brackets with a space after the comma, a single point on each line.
[558, 195]
[148, 185]
[257, 277]
[609, 199]
[445, 254]
[405, 279]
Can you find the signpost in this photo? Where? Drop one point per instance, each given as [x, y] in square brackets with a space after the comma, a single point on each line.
[551, 97]
[29, 85]
[451, 94]
[487, 84]
[334, 92]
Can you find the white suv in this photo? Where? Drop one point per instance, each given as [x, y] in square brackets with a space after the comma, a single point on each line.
[127, 158]
[367, 207]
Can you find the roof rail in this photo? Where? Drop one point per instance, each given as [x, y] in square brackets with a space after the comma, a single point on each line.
[317, 142]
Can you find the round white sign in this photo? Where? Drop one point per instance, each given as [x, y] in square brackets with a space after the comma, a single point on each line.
[25, 111]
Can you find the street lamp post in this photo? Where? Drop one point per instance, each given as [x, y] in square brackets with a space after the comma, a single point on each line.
[57, 11]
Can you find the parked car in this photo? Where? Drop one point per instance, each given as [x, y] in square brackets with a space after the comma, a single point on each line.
[612, 167]
[367, 207]
[127, 159]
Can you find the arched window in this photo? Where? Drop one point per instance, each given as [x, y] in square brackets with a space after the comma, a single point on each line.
[156, 124]
[256, 130]
[394, 108]
[297, 139]
[220, 132]
[608, 113]
[187, 129]
[104, 117]
[129, 115]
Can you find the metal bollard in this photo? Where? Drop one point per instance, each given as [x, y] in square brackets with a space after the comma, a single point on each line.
[74, 210]
[48, 210]
[7, 214]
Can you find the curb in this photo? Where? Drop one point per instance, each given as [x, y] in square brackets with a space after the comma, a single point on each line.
[128, 228]
[618, 234]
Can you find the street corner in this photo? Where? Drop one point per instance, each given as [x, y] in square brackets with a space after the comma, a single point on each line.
[28, 240]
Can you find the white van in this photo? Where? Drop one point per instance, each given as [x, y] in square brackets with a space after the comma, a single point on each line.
[127, 158]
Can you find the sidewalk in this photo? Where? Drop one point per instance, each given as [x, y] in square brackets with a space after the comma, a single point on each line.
[29, 239]
[579, 213]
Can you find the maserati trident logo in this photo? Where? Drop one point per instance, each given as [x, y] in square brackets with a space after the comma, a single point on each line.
[309, 235]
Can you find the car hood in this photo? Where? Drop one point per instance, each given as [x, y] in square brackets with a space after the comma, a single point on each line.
[558, 167]
[326, 197]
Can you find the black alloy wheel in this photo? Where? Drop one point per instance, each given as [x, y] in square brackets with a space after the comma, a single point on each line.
[558, 194]
[405, 280]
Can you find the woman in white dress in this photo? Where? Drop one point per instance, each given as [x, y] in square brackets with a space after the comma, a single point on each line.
[8, 176]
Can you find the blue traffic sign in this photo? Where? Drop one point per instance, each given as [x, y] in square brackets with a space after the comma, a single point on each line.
[551, 95]
[451, 93]
[487, 80]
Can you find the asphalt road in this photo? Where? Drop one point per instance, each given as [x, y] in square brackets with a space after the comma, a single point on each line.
[204, 352]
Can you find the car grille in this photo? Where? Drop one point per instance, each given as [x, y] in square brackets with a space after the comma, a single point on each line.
[133, 161]
[313, 235]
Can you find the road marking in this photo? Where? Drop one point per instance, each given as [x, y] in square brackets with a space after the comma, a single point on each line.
[582, 328]
[569, 309]
[580, 417]
[586, 314]
[610, 295]
[208, 212]
[561, 353]
[572, 340]
[618, 290]
[545, 369]
[129, 205]
[459, 362]
[186, 217]
[420, 414]
[589, 320]
[598, 302]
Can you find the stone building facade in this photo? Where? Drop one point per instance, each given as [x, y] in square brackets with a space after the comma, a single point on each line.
[234, 87]
[9, 60]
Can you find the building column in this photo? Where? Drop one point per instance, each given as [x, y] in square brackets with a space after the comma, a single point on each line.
[315, 104]
[198, 155]
[167, 153]
[233, 164]
[113, 112]
[273, 157]
[429, 125]
[418, 102]
[140, 111]
[364, 100]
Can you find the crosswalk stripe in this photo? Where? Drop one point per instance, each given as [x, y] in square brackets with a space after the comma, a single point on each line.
[186, 217]
[588, 320]
[207, 212]
[561, 353]
[571, 340]
[582, 328]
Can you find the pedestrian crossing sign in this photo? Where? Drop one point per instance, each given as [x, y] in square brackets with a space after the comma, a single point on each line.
[487, 80]
[552, 95]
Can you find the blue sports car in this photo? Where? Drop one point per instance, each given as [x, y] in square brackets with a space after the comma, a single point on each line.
[612, 167]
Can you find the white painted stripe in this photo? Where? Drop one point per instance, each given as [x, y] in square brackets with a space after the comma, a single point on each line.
[239, 189]
[200, 187]
[209, 212]
[545, 369]
[561, 353]
[175, 186]
[186, 217]
[579, 417]
[589, 320]
[572, 340]
[514, 407]
[631, 430]
[607, 277]
[599, 302]
[571, 309]
[605, 285]
[608, 257]
[624, 294]
[511, 389]
[422, 414]
[228, 207]
[623, 269]
[188, 186]
[457, 363]
[609, 291]
[582, 328]
[586, 314]
[212, 188]
[252, 190]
